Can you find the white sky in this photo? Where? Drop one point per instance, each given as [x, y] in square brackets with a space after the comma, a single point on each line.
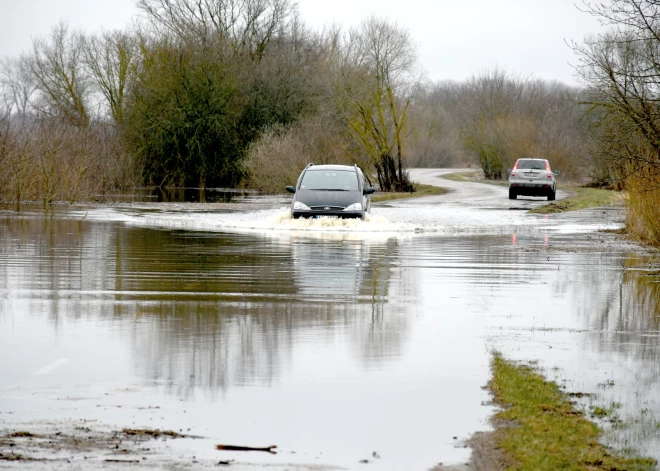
[456, 39]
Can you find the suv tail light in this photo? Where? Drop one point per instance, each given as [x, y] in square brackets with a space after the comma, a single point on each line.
[513, 171]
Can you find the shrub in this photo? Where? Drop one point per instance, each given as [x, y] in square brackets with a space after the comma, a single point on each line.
[279, 155]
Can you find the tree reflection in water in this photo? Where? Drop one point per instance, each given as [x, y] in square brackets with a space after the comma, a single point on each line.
[209, 311]
[244, 336]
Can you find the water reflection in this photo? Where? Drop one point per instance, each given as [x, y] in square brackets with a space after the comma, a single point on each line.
[619, 302]
[207, 311]
[641, 294]
[390, 331]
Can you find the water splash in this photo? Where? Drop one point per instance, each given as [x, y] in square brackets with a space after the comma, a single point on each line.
[282, 220]
[390, 222]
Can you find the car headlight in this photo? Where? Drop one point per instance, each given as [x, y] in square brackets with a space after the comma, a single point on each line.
[299, 205]
[354, 207]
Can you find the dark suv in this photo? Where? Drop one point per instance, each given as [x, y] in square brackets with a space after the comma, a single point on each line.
[331, 190]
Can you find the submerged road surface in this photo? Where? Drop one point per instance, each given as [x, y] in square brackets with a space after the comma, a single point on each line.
[143, 335]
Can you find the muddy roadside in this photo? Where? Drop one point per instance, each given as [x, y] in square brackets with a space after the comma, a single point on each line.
[486, 454]
[89, 444]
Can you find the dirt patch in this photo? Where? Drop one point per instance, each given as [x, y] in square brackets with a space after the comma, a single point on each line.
[21, 434]
[468, 176]
[148, 433]
[486, 455]
[13, 457]
[84, 442]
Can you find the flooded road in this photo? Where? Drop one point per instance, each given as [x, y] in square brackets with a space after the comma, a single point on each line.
[349, 345]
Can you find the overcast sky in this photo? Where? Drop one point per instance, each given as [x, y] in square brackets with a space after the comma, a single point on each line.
[456, 39]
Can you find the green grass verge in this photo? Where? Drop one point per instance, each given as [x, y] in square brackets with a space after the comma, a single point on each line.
[471, 176]
[583, 198]
[420, 190]
[548, 433]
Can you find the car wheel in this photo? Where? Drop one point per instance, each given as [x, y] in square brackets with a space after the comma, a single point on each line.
[551, 195]
[512, 194]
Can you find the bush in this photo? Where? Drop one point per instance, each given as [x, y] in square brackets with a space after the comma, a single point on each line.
[51, 160]
[280, 154]
[643, 207]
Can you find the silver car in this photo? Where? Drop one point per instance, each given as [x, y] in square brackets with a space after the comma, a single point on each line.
[532, 177]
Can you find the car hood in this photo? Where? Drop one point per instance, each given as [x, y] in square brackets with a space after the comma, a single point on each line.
[328, 198]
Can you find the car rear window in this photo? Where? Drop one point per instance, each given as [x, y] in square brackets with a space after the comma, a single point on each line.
[531, 164]
[345, 180]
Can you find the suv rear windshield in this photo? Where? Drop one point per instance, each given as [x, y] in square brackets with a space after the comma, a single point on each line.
[336, 180]
[531, 164]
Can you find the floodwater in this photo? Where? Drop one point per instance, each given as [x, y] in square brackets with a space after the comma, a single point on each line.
[336, 341]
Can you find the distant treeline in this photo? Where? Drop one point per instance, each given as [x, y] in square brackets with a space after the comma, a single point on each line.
[240, 92]
[210, 93]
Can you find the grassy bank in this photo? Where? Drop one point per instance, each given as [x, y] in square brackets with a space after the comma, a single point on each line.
[581, 198]
[472, 176]
[421, 190]
[547, 433]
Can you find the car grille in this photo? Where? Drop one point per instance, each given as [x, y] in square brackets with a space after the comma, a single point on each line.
[327, 208]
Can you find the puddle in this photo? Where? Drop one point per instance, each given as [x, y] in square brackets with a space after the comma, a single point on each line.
[333, 340]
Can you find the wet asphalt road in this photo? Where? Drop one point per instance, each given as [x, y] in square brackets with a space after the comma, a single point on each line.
[475, 194]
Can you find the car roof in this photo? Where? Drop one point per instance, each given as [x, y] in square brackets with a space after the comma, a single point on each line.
[331, 167]
[530, 158]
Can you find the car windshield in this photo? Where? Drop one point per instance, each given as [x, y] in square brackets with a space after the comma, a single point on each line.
[335, 180]
[531, 164]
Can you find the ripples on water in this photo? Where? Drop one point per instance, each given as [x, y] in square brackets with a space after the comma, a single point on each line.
[331, 338]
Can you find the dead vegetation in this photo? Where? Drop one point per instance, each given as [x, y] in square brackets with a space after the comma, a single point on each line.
[151, 433]
[49, 161]
[280, 154]
[14, 457]
[86, 440]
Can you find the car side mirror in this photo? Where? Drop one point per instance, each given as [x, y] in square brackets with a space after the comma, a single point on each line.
[508, 171]
[290, 189]
[369, 190]
[556, 172]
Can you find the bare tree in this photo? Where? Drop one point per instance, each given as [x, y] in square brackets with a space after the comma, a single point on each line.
[621, 68]
[60, 78]
[18, 84]
[376, 76]
[248, 25]
[110, 60]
